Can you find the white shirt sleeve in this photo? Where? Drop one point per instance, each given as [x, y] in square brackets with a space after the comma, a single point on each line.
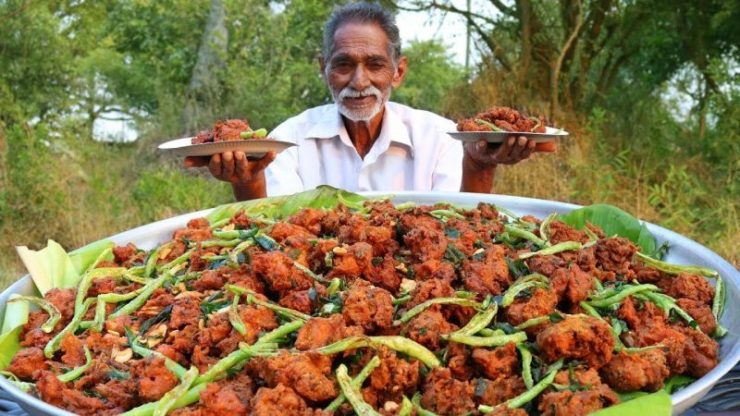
[447, 174]
[282, 174]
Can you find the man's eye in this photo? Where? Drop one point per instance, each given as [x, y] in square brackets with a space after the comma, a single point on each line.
[376, 64]
[341, 65]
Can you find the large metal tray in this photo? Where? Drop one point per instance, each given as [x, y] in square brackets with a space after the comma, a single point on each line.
[683, 250]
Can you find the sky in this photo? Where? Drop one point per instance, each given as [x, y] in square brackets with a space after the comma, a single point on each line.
[450, 29]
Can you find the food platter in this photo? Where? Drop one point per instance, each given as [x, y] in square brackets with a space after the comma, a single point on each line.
[683, 250]
[499, 136]
[254, 148]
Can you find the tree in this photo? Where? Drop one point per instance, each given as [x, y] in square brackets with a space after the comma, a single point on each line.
[431, 74]
[205, 88]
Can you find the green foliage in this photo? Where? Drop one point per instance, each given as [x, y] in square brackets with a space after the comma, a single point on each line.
[430, 76]
[161, 193]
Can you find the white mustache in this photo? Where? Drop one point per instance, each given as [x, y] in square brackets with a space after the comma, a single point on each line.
[349, 92]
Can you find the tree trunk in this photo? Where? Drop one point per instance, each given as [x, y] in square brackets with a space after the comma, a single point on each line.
[525, 17]
[557, 65]
[205, 88]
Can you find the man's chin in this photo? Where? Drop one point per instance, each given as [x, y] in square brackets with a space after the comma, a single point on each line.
[359, 114]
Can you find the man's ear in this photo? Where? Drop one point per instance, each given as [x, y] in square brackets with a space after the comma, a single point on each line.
[400, 72]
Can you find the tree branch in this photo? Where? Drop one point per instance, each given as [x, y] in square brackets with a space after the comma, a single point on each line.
[555, 74]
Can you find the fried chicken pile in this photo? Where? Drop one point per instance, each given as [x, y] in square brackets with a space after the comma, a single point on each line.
[223, 130]
[502, 119]
[457, 308]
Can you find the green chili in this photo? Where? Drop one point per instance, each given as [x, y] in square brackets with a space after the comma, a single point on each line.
[718, 305]
[493, 341]
[677, 268]
[526, 365]
[334, 286]
[252, 298]
[406, 408]
[420, 411]
[167, 402]
[668, 304]
[477, 322]
[254, 133]
[142, 297]
[53, 345]
[220, 243]
[142, 351]
[192, 396]
[353, 394]
[178, 261]
[444, 214]
[310, 273]
[416, 310]
[22, 385]
[557, 248]
[77, 372]
[622, 294]
[87, 279]
[234, 254]
[545, 225]
[264, 345]
[533, 322]
[489, 125]
[245, 352]
[220, 223]
[42, 303]
[356, 383]
[514, 290]
[394, 342]
[234, 318]
[401, 300]
[529, 395]
[281, 331]
[524, 234]
[151, 261]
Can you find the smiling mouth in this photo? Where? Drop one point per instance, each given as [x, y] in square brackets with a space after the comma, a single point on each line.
[358, 101]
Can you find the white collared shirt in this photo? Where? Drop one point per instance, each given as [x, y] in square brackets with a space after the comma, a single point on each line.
[413, 152]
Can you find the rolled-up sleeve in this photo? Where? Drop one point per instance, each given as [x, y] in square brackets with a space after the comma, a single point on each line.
[282, 174]
[447, 174]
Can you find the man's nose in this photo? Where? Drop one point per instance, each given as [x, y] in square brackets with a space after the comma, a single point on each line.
[360, 79]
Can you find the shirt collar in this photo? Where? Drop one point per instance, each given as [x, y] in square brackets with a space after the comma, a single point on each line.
[330, 126]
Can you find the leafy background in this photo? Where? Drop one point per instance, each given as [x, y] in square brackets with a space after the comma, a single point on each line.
[648, 89]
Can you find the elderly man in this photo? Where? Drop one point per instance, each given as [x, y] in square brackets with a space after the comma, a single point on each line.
[363, 141]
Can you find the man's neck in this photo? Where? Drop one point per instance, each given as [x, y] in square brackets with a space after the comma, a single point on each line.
[362, 133]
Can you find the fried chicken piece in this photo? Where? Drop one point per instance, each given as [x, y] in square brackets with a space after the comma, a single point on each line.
[542, 302]
[307, 373]
[368, 306]
[644, 370]
[497, 362]
[445, 395]
[319, 332]
[577, 337]
[687, 286]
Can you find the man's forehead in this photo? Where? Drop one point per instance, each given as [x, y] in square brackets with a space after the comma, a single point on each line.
[357, 38]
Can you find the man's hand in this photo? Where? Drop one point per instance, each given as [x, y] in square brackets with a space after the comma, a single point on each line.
[480, 161]
[513, 150]
[247, 177]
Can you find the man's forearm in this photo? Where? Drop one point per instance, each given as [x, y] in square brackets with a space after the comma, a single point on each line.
[252, 190]
[476, 179]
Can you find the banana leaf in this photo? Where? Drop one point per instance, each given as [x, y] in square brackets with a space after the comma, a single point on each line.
[280, 207]
[50, 268]
[654, 404]
[613, 221]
